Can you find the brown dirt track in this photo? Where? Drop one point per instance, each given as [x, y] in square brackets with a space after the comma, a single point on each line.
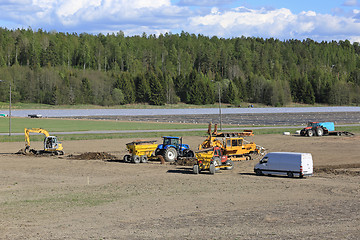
[64, 198]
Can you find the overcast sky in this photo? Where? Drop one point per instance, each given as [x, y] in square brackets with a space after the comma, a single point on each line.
[283, 19]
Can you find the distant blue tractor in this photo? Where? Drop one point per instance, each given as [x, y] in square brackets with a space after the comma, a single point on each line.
[172, 148]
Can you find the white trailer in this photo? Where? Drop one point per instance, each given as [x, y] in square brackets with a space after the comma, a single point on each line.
[285, 163]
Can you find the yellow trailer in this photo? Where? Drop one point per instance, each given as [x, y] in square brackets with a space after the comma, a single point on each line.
[140, 151]
[212, 160]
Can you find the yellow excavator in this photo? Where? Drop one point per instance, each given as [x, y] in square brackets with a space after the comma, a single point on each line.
[51, 144]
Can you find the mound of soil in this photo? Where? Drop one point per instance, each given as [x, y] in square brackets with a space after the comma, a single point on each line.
[183, 161]
[348, 169]
[93, 156]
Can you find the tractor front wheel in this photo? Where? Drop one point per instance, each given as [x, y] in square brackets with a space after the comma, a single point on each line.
[310, 133]
[170, 154]
[189, 153]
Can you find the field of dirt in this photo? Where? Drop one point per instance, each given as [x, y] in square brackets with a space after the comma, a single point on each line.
[70, 197]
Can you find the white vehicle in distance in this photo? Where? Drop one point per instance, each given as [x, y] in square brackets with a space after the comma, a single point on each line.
[290, 164]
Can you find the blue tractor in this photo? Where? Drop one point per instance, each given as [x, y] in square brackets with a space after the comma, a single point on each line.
[172, 148]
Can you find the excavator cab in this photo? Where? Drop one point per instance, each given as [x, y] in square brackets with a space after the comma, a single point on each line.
[51, 143]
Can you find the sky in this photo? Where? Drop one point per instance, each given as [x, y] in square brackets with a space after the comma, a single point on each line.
[320, 20]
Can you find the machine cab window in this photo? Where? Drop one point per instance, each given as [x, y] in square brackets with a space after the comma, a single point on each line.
[264, 160]
[217, 152]
[228, 142]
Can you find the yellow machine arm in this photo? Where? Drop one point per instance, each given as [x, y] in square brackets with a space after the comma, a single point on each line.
[33, 130]
[211, 140]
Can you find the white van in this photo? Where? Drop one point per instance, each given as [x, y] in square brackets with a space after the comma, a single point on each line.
[285, 163]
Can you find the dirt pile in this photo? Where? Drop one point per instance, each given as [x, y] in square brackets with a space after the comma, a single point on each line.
[347, 169]
[22, 151]
[93, 156]
[183, 161]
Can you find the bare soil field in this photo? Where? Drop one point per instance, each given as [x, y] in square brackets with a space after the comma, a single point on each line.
[60, 197]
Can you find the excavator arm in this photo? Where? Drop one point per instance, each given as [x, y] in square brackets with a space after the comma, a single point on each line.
[33, 130]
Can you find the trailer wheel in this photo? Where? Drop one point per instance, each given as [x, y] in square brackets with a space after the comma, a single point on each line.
[310, 133]
[136, 159]
[144, 159]
[290, 174]
[127, 158]
[212, 169]
[319, 131]
[170, 154]
[196, 169]
[230, 165]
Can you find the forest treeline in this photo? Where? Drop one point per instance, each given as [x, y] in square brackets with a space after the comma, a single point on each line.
[63, 68]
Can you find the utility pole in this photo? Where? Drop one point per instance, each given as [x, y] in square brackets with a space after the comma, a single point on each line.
[10, 111]
[220, 106]
[9, 107]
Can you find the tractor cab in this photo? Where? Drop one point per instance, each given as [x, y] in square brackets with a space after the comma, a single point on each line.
[174, 141]
[313, 124]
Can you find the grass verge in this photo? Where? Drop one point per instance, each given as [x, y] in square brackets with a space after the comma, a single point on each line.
[70, 137]
[70, 125]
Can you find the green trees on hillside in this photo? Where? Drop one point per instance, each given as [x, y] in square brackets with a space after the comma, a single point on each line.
[62, 68]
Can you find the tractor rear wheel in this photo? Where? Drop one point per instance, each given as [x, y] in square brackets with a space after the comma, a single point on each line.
[170, 154]
[189, 153]
[319, 131]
